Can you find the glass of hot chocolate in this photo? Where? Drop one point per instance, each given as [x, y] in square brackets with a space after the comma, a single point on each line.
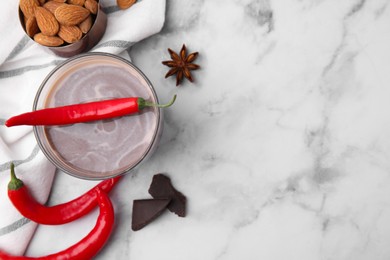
[99, 149]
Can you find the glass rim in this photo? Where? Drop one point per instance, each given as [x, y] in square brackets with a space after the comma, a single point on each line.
[45, 148]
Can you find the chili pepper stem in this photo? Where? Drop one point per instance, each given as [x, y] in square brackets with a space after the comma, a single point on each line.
[142, 103]
[14, 183]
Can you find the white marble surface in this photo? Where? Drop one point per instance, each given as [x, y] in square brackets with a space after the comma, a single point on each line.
[281, 145]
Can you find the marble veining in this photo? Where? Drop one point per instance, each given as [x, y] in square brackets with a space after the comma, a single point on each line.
[281, 145]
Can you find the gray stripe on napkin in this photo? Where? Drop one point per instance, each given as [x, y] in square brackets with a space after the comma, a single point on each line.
[115, 43]
[14, 226]
[111, 9]
[19, 71]
[19, 47]
[33, 154]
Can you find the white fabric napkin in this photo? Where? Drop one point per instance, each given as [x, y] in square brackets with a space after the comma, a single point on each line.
[23, 66]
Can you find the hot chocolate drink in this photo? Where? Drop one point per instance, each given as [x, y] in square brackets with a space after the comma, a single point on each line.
[106, 148]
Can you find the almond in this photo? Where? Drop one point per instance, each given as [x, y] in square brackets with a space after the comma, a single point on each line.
[76, 2]
[124, 4]
[47, 23]
[70, 34]
[59, 1]
[52, 6]
[41, 2]
[51, 41]
[31, 26]
[92, 6]
[86, 24]
[28, 7]
[67, 14]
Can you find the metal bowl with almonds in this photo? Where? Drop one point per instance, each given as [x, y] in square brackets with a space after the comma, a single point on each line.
[65, 27]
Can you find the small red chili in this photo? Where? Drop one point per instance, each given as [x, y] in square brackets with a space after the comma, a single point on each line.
[26, 204]
[91, 244]
[85, 112]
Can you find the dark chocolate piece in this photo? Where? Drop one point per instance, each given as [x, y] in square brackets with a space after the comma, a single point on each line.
[145, 211]
[161, 187]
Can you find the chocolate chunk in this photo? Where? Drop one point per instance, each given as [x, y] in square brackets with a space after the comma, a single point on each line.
[145, 211]
[161, 187]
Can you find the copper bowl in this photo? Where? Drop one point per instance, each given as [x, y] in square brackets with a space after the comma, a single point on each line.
[88, 40]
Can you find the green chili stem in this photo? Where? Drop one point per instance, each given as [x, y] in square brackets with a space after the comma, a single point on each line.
[151, 104]
[14, 183]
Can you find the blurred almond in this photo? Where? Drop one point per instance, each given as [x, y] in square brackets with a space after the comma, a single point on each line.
[41, 2]
[124, 4]
[52, 6]
[86, 24]
[46, 21]
[59, 1]
[67, 14]
[92, 6]
[28, 7]
[76, 2]
[70, 34]
[31, 26]
[51, 41]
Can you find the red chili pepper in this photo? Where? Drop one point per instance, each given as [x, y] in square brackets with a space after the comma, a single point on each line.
[85, 112]
[26, 204]
[91, 244]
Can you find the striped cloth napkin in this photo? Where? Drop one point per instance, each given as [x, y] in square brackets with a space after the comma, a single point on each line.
[23, 66]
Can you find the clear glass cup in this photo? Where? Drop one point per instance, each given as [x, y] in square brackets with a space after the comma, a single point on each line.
[99, 149]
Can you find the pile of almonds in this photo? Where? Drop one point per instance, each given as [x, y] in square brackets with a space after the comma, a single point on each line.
[58, 22]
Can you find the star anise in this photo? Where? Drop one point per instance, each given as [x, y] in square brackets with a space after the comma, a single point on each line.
[181, 64]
